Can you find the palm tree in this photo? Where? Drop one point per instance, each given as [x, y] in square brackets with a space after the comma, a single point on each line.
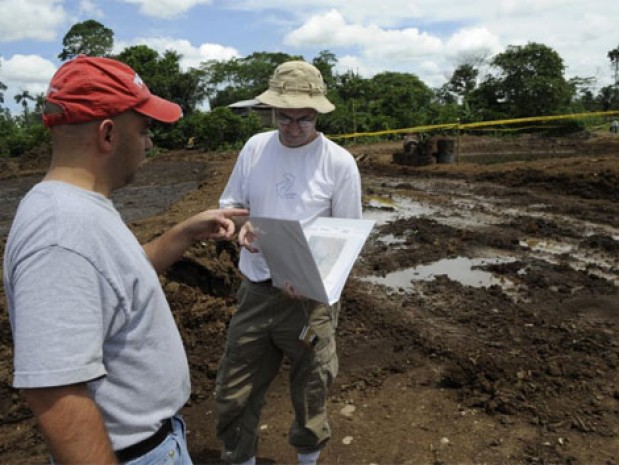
[2, 89]
[613, 56]
[39, 105]
[23, 99]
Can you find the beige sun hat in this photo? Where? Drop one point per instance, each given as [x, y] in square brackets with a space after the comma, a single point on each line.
[297, 84]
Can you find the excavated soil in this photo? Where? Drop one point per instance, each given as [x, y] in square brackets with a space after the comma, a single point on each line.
[479, 325]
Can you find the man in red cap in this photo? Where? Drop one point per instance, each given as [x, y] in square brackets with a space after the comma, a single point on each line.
[96, 350]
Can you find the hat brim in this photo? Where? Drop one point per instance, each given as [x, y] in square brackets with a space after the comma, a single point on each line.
[160, 109]
[295, 101]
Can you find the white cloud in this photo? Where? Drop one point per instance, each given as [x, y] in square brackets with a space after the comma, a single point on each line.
[26, 69]
[387, 13]
[90, 9]
[30, 19]
[331, 29]
[166, 8]
[401, 45]
[396, 49]
[355, 64]
[580, 32]
[191, 56]
[402, 36]
[527, 8]
[477, 41]
[25, 72]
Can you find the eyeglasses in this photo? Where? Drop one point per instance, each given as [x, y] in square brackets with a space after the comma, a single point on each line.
[304, 122]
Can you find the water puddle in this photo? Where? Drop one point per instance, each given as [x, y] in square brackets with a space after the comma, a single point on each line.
[386, 209]
[391, 239]
[546, 246]
[474, 213]
[602, 265]
[459, 269]
[461, 215]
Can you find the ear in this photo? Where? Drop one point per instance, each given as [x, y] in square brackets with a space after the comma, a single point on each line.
[106, 135]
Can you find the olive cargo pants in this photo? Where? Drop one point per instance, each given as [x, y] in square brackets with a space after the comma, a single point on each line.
[264, 329]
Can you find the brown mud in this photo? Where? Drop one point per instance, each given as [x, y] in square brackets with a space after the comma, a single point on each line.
[479, 326]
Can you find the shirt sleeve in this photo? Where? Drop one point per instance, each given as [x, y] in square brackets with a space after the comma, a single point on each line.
[346, 202]
[57, 320]
[235, 195]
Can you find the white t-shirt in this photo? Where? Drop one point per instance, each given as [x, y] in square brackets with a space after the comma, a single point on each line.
[302, 183]
[86, 305]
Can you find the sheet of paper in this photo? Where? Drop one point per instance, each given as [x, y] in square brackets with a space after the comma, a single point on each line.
[316, 260]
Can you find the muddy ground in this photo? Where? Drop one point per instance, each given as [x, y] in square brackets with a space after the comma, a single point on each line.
[479, 326]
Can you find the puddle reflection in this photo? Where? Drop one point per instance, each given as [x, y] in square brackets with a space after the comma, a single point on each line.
[459, 269]
[547, 246]
[391, 239]
[385, 209]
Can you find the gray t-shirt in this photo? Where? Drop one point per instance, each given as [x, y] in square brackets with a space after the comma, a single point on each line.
[86, 305]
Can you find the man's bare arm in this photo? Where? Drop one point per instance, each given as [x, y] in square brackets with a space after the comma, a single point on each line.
[71, 424]
[210, 224]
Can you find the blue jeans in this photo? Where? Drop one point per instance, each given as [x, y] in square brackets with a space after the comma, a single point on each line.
[172, 451]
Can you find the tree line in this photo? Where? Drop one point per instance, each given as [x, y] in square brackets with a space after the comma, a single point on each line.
[524, 80]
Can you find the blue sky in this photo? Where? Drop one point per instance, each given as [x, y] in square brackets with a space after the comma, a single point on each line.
[429, 38]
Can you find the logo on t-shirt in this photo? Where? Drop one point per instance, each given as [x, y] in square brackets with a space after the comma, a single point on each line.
[284, 188]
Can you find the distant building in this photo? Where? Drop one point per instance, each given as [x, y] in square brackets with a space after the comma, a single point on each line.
[245, 107]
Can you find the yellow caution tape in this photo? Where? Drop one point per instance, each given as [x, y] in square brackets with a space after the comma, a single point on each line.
[479, 124]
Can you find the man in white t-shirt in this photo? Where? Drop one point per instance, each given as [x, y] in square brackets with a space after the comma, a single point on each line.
[294, 172]
[96, 350]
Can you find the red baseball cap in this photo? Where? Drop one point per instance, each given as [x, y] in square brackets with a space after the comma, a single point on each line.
[91, 88]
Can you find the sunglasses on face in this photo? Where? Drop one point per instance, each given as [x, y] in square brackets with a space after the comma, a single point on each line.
[304, 121]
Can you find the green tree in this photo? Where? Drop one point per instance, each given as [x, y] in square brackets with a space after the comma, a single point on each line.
[39, 104]
[325, 61]
[23, 99]
[486, 102]
[221, 127]
[164, 76]
[89, 37]
[463, 81]
[229, 81]
[2, 89]
[7, 128]
[613, 56]
[388, 100]
[143, 59]
[401, 98]
[352, 98]
[445, 96]
[17, 139]
[584, 99]
[217, 129]
[608, 98]
[529, 82]
[453, 96]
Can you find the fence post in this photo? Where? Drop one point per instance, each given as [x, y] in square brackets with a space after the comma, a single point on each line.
[458, 140]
